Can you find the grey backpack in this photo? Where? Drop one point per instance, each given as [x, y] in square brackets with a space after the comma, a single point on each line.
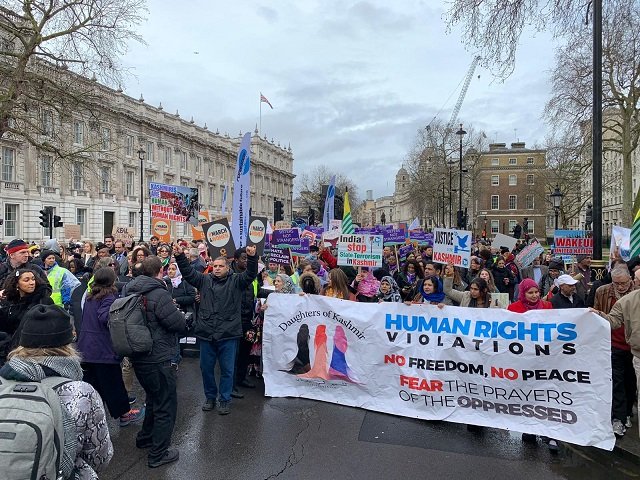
[32, 438]
[130, 334]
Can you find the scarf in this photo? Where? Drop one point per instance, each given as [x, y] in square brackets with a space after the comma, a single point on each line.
[393, 295]
[34, 370]
[177, 280]
[526, 285]
[438, 294]
[287, 284]
[369, 286]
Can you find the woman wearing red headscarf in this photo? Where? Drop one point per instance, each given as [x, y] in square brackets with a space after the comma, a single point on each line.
[529, 298]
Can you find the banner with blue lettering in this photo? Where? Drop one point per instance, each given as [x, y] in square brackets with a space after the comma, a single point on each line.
[546, 372]
[241, 191]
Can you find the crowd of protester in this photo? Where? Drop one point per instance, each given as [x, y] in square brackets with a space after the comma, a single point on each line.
[226, 301]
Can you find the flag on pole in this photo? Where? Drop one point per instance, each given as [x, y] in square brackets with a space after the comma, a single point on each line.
[240, 201]
[635, 236]
[224, 199]
[415, 224]
[263, 99]
[329, 204]
[347, 226]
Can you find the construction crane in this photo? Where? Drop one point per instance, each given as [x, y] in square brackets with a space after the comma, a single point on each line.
[463, 92]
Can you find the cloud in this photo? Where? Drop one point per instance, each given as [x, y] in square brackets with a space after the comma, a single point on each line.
[268, 13]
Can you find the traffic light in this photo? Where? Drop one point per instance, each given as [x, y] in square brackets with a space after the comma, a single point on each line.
[45, 217]
[278, 211]
[56, 221]
[460, 220]
[312, 216]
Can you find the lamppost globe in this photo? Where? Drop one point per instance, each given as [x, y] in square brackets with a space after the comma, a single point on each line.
[141, 154]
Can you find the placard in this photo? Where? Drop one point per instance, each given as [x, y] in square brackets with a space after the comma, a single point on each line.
[360, 250]
[280, 256]
[309, 234]
[123, 233]
[174, 202]
[286, 237]
[573, 242]
[452, 246]
[72, 232]
[219, 239]
[196, 231]
[257, 233]
[161, 228]
[303, 249]
[528, 254]
[502, 240]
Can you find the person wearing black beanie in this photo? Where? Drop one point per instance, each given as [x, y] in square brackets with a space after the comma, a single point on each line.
[46, 326]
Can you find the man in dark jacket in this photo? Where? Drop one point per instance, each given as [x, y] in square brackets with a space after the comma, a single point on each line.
[154, 370]
[566, 296]
[219, 322]
[18, 257]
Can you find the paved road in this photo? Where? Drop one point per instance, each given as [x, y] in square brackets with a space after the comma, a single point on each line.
[290, 438]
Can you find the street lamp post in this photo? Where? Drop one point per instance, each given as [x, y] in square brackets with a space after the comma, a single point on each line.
[141, 153]
[556, 201]
[461, 133]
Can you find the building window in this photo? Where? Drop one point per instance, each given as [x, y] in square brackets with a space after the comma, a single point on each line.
[185, 162]
[495, 162]
[8, 164]
[529, 160]
[495, 180]
[78, 176]
[167, 157]
[495, 226]
[46, 171]
[105, 180]
[513, 161]
[530, 203]
[128, 146]
[513, 180]
[513, 202]
[106, 139]
[198, 164]
[512, 225]
[81, 220]
[531, 226]
[211, 197]
[129, 184]
[149, 154]
[133, 219]
[530, 179]
[11, 220]
[47, 123]
[495, 202]
[78, 132]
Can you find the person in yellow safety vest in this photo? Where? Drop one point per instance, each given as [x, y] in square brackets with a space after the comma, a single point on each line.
[62, 281]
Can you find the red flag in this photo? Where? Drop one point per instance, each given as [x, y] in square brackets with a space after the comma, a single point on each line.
[264, 99]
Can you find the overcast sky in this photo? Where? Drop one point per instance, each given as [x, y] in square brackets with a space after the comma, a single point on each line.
[351, 82]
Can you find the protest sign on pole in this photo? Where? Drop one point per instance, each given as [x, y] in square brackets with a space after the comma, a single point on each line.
[335, 224]
[308, 234]
[72, 232]
[572, 242]
[196, 230]
[241, 191]
[502, 240]
[302, 249]
[286, 237]
[452, 246]
[174, 202]
[360, 250]
[124, 233]
[280, 256]
[528, 254]
[161, 228]
[620, 243]
[219, 240]
[257, 233]
[546, 372]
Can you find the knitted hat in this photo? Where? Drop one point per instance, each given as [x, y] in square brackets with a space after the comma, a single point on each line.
[16, 245]
[46, 253]
[580, 258]
[46, 326]
[33, 248]
[556, 264]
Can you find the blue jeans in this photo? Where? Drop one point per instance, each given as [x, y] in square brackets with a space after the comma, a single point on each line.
[224, 351]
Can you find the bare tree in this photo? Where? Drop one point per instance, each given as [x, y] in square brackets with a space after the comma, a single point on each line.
[311, 184]
[48, 50]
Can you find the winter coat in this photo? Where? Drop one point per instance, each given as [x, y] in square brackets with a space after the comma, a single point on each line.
[248, 300]
[499, 274]
[220, 309]
[95, 341]
[7, 269]
[519, 307]
[462, 299]
[626, 312]
[163, 318]
[12, 313]
[185, 296]
[560, 301]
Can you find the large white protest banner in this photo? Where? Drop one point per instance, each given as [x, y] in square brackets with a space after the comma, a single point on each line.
[546, 372]
[452, 246]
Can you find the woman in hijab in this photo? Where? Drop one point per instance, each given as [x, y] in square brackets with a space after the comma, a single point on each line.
[529, 298]
[366, 286]
[284, 284]
[430, 291]
[388, 290]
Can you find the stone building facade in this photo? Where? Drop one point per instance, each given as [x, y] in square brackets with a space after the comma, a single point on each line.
[101, 187]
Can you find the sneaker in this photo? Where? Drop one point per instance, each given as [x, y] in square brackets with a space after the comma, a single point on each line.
[628, 423]
[132, 416]
[553, 446]
[235, 393]
[171, 455]
[142, 444]
[247, 384]
[528, 438]
[132, 399]
[209, 405]
[618, 427]
[223, 408]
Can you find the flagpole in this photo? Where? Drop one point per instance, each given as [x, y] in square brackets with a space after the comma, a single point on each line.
[260, 129]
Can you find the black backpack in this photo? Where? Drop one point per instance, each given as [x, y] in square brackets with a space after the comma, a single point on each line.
[130, 334]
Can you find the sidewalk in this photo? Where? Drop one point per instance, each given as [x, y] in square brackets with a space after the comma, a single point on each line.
[628, 447]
